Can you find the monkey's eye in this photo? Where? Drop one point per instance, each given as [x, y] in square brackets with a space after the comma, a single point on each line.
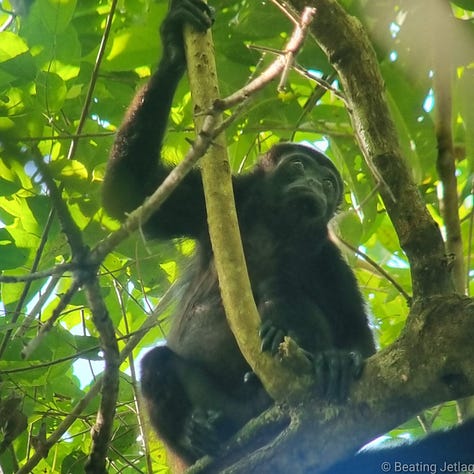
[329, 184]
[297, 166]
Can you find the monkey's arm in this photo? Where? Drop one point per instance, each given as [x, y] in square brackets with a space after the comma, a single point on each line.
[134, 169]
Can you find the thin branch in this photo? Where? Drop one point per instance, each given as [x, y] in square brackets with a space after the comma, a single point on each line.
[7, 23]
[445, 163]
[30, 317]
[137, 399]
[69, 227]
[95, 387]
[377, 268]
[48, 325]
[324, 84]
[286, 11]
[67, 136]
[66, 423]
[102, 430]
[94, 76]
[275, 68]
[52, 363]
[39, 275]
[26, 289]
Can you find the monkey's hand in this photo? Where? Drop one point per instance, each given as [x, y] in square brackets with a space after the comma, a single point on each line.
[193, 12]
[334, 370]
[272, 336]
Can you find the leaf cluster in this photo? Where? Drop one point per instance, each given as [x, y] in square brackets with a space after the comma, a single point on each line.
[62, 98]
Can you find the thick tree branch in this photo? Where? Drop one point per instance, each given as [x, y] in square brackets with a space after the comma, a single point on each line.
[432, 362]
[224, 232]
[349, 50]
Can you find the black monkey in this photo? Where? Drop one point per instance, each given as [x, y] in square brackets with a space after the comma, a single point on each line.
[301, 284]
[194, 386]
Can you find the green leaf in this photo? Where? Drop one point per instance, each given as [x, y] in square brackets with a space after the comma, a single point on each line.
[74, 463]
[11, 256]
[8, 187]
[89, 347]
[51, 91]
[467, 4]
[56, 14]
[11, 46]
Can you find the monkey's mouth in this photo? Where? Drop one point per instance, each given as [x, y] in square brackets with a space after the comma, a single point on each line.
[308, 205]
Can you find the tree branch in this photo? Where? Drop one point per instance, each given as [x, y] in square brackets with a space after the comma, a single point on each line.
[432, 362]
[445, 164]
[87, 276]
[349, 50]
[234, 283]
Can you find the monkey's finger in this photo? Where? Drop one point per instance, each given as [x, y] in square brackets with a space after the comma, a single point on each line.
[277, 340]
[333, 368]
[194, 12]
[267, 337]
[358, 363]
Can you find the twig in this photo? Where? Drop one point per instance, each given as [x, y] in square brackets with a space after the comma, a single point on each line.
[26, 289]
[102, 430]
[275, 69]
[30, 317]
[287, 12]
[377, 268]
[69, 226]
[7, 22]
[94, 76]
[320, 82]
[33, 276]
[68, 136]
[48, 325]
[57, 434]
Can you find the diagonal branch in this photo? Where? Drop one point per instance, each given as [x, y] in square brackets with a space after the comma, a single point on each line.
[87, 276]
[353, 57]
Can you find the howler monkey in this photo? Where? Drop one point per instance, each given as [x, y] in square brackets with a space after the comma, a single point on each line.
[194, 386]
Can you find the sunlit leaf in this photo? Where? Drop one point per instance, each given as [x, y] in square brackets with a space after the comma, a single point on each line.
[11, 46]
[50, 90]
[56, 14]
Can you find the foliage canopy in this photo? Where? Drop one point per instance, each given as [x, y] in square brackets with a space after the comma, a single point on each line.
[61, 98]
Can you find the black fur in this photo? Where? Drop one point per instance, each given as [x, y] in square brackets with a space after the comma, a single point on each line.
[195, 386]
